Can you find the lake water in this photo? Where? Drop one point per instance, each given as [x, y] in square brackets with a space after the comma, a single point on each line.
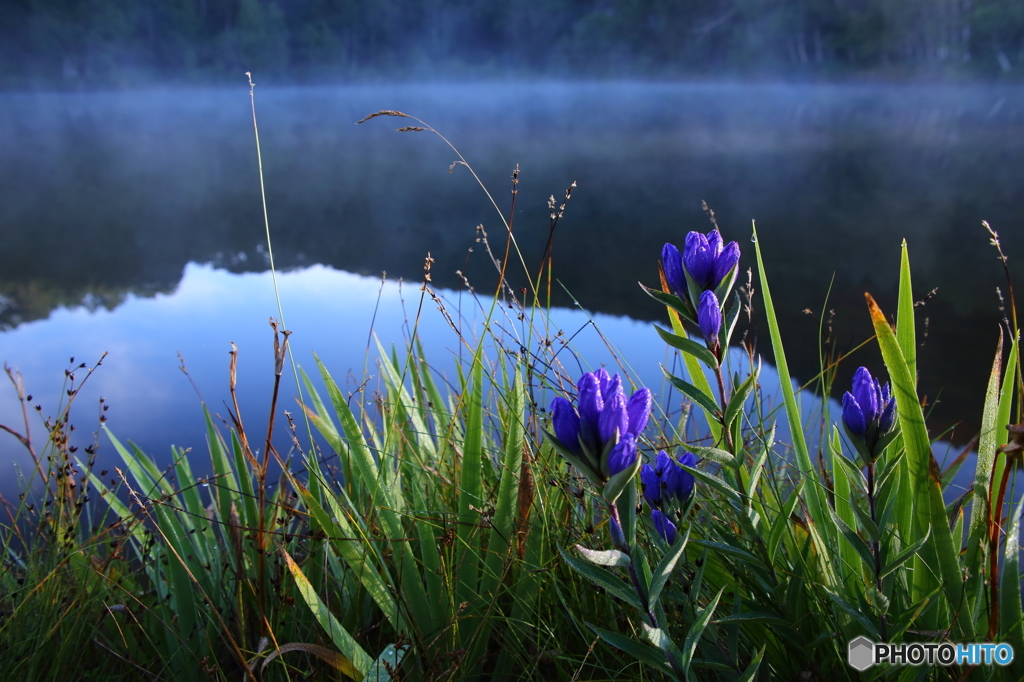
[132, 223]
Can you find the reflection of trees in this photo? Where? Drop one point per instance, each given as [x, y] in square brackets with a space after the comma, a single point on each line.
[22, 302]
[117, 41]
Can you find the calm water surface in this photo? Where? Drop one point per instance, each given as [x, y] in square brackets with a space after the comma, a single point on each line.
[108, 201]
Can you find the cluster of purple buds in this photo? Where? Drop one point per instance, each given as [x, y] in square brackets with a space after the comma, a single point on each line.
[666, 486]
[600, 438]
[869, 414]
[702, 276]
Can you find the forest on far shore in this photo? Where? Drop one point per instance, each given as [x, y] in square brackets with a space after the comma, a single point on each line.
[76, 43]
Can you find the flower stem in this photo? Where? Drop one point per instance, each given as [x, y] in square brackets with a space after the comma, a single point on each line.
[618, 539]
[876, 549]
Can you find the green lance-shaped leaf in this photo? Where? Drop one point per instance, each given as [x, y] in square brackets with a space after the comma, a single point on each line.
[695, 394]
[355, 549]
[226, 491]
[782, 521]
[620, 481]
[660, 639]
[751, 672]
[580, 463]
[677, 304]
[365, 467]
[604, 578]
[609, 557]
[939, 556]
[854, 541]
[815, 501]
[735, 552]
[739, 397]
[641, 652]
[349, 648]
[697, 629]
[842, 473]
[902, 557]
[715, 482]
[716, 455]
[661, 573]
[732, 316]
[688, 346]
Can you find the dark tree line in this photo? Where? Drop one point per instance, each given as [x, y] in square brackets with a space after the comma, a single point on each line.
[125, 41]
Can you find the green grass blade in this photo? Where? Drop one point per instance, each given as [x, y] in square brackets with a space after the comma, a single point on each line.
[905, 332]
[939, 554]
[470, 488]
[1011, 627]
[347, 646]
[365, 466]
[848, 556]
[977, 528]
[813, 493]
[508, 488]
[351, 545]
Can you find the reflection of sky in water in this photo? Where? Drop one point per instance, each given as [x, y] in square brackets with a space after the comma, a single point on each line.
[152, 404]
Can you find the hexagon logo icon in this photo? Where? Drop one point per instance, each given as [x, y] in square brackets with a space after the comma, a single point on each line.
[861, 654]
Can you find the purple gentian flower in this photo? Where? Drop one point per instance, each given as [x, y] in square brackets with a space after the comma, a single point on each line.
[869, 410]
[605, 422]
[666, 482]
[709, 316]
[706, 259]
[664, 526]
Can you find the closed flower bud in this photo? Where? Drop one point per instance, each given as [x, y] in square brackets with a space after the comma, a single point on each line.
[639, 410]
[672, 263]
[614, 419]
[869, 413]
[566, 423]
[667, 482]
[652, 485]
[687, 483]
[709, 316]
[853, 416]
[622, 456]
[867, 392]
[591, 404]
[604, 381]
[664, 526]
[724, 263]
[698, 259]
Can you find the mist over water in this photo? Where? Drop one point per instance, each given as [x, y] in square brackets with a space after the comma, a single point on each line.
[107, 197]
